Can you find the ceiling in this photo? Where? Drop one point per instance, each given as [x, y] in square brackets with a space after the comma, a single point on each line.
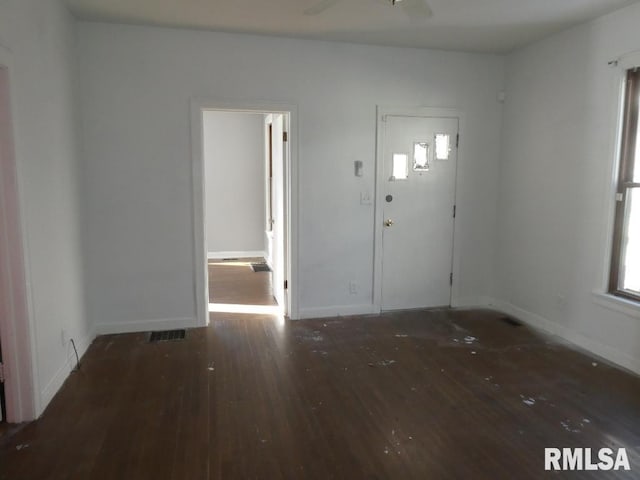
[496, 26]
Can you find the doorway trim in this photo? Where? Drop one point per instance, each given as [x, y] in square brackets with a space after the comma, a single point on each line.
[18, 330]
[381, 113]
[201, 281]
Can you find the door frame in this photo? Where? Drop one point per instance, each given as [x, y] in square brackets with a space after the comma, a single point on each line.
[381, 113]
[201, 280]
[17, 329]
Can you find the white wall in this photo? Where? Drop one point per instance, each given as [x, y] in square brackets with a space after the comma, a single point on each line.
[556, 173]
[41, 39]
[136, 87]
[235, 181]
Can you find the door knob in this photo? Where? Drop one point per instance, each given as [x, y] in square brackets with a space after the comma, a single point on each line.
[388, 223]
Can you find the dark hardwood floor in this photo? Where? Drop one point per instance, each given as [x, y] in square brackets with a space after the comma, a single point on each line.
[413, 395]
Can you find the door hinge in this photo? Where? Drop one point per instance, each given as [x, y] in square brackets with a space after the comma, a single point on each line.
[457, 140]
[451, 279]
[285, 137]
[286, 284]
[454, 211]
[1, 372]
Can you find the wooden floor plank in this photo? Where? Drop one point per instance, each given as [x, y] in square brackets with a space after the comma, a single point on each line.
[234, 282]
[408, 395]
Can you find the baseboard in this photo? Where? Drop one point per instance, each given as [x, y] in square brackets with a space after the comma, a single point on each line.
[47, 394]
[269, 263]
[237, 254]
[538, 322]
[145, 325]
[472, 302]
[335, 311]
[368, 309]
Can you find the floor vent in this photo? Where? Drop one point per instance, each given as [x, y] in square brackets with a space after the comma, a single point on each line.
[260, 267]
[511, 321]
[167, 336]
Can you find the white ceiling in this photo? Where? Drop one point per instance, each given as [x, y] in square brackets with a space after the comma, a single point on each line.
[470, 25]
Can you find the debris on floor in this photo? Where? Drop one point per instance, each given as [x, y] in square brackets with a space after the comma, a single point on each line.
[529, 401]
[386, 363]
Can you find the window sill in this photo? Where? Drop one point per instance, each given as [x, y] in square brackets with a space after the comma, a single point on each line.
[619, 304]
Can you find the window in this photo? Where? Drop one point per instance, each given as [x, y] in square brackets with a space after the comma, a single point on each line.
[624, 277]
[400, 166]
[420, 157]
[443, 146]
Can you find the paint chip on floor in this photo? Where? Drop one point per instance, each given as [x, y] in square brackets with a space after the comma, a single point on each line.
[529, 402]
[386, 363]
[567, 426]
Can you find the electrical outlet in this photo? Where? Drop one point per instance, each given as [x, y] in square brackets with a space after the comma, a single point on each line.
[365, 198]
[353, 287]
[64, 337]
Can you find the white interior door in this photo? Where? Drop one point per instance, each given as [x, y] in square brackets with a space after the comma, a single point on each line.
[419, 178]
[277, 202]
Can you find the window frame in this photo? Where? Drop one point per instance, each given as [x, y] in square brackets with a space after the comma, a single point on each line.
[624, 180]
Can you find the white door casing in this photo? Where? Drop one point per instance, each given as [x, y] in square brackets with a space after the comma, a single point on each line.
[18, 339]
[289, 113]
[417, 214]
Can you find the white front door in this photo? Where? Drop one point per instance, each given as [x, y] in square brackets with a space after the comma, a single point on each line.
[418, 197]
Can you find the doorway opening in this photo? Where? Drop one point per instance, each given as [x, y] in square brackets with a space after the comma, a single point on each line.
[3, 402]
[246, 195]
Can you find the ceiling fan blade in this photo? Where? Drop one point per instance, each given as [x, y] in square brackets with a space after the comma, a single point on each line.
[416, 8]
[320, 7]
